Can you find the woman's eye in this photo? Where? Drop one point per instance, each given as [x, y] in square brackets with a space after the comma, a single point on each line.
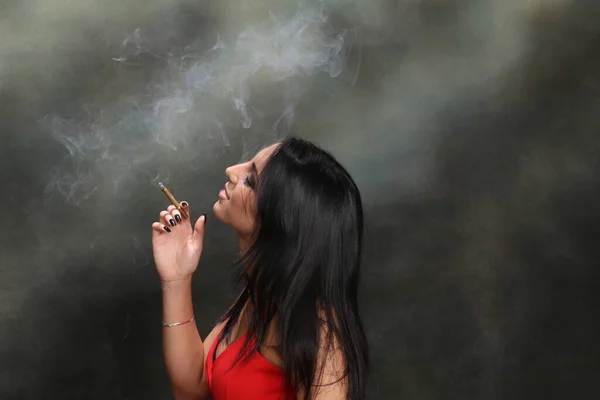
[248, 181]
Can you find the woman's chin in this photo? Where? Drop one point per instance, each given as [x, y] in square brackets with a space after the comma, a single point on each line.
[218, 211]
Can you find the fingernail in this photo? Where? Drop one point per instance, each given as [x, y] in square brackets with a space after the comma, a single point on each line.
[167, 229]
[204, 218]
[184, 204]
[172, 222]
[178, 218]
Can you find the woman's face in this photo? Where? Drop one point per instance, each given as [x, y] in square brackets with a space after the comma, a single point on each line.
[237, 200]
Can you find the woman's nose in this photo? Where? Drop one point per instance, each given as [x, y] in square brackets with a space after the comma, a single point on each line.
[230, 172]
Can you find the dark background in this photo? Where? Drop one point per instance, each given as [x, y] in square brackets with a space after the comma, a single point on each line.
[470, 126]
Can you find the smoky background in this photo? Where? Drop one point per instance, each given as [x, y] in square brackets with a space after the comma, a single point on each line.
[470, 127]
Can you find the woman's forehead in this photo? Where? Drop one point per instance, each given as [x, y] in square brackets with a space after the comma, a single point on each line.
[262, 156]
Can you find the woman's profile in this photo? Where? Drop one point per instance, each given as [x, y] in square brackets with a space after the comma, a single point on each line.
[294, 331]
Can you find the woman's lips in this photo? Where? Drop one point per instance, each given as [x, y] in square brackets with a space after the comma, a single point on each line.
[223, 195]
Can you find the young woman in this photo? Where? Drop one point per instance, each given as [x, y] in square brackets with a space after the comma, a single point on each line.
[294, 331]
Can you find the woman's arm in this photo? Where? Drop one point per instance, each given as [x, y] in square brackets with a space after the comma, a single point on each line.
[177, 249]
[182, 346]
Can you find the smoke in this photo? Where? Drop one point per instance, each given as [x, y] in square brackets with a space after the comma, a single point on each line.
[247, 70]
[201, 87]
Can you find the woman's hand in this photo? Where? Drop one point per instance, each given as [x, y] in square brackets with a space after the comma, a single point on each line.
[177, 248]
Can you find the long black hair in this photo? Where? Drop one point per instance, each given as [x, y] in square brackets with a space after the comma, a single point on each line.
[303, 266]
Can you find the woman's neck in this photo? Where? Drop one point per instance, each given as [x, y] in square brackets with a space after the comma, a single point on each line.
[244, 244]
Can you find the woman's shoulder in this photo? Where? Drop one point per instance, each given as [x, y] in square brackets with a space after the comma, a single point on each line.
[211, 337]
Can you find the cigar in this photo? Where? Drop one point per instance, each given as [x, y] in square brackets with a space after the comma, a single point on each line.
[172, 199]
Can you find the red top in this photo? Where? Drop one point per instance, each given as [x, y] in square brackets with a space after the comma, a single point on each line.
[256, 379]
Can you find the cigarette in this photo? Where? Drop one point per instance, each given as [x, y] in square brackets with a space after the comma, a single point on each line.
[172, 199]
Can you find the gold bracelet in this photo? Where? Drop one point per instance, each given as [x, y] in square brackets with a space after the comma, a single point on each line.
[177, 323]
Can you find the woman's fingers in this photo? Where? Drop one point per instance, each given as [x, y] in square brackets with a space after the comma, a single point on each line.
[186, 207]
[176, 214]
[158, 228]
[169, 218]
[166, 218]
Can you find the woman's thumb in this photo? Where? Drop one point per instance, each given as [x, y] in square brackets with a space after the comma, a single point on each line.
[198, 234]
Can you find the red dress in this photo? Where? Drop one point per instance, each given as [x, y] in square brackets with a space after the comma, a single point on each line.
[256, 379]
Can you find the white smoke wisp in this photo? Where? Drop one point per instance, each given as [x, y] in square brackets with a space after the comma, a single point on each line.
[188, 107]
[290, 48]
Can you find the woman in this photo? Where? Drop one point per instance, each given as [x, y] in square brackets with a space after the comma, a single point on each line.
[294, 331]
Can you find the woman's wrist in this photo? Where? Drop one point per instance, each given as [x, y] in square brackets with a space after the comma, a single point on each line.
[177, 300]
[176, 284]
